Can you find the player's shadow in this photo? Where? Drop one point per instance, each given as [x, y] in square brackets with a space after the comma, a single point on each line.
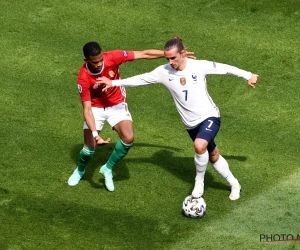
[182, 167]
[101, 156]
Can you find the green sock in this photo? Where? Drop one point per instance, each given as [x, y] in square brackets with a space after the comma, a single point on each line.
[119, 152]
[84, 157]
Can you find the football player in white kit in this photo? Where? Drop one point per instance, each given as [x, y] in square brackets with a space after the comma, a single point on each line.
[186, 81]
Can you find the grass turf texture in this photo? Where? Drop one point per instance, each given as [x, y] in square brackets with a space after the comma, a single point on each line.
[41, 121]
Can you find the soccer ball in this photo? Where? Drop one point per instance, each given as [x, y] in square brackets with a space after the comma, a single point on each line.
[193, 207]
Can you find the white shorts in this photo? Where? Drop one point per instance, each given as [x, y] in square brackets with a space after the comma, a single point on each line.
[112, 115]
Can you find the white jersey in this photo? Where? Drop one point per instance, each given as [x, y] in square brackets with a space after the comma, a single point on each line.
[187, 87]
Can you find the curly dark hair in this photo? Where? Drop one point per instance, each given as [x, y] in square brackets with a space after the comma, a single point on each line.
[91, 49]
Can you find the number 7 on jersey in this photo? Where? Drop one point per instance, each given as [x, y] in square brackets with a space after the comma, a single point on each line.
[186, 94]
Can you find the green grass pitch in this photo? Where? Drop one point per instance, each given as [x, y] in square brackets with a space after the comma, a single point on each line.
[41, 127]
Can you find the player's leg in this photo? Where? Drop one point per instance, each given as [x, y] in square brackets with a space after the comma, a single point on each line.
[125, 132]
[203, 136]
[85, 156]
[120, 120]
[88, 149]
[201, 161]
[221, 166]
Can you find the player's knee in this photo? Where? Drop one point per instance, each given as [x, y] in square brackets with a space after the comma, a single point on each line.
[200, 148]
[128, 139]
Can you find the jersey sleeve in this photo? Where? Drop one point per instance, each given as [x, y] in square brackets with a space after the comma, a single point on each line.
[223, 69]
[140, 80]
[120, 56]
[83, 88]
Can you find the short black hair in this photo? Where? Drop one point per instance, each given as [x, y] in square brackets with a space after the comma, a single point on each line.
[175, 41]
[91, 49]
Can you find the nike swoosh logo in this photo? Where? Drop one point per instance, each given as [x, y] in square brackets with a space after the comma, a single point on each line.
[170, 79]
[208, 129]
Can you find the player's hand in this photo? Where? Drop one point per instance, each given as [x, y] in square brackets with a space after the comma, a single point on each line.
[252, 81]
[100, 141]
[190, 55]
[105, 81]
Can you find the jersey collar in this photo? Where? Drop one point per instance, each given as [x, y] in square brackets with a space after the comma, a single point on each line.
[94, 74]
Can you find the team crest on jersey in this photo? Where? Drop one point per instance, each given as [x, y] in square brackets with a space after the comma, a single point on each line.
[79, 88]
[111, 73]
[182, 81]
[194, 76]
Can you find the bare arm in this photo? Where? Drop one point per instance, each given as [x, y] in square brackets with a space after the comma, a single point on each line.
[148, 54]
[153, 54]
[90, 121]
[88, 115]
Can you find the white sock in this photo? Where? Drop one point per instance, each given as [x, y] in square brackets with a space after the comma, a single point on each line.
[201, 162]
[222, 167]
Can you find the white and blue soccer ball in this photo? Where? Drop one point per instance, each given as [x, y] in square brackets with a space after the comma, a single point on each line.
[194, 207]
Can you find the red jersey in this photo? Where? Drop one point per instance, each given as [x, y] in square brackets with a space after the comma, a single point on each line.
[91, 91]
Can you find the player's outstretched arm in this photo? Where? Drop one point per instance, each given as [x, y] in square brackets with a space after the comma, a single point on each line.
[253, 80]
[153, 54]
[190, 54]
[148, 54]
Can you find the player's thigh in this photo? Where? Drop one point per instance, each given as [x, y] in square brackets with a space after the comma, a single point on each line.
[121, 121]
[125, 131]
[203, 135]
